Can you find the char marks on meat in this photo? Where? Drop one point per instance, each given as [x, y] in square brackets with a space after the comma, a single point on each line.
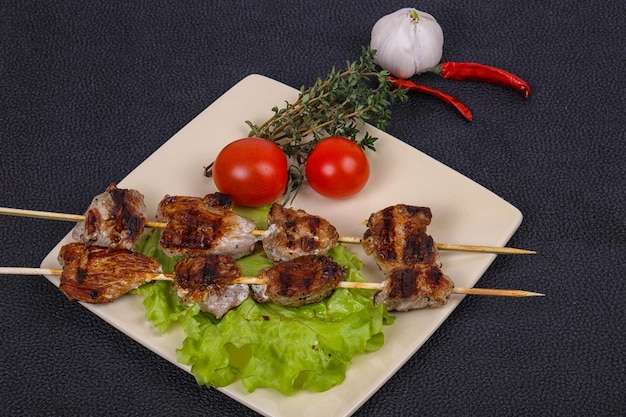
[200, 226]
[300, 281]
[115, 218]
[292, 233]
[397, 237]
[206, 280]
[96, 274]
[413, 287]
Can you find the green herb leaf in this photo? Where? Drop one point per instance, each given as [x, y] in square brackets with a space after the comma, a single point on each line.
[335, 106]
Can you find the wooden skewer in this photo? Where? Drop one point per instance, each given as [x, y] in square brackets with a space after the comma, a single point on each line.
[497, 292]
[378, 286]
[344, 239]
[60, 216]
[460, 248]
[256, 280]
[19, 270]
[444, 246]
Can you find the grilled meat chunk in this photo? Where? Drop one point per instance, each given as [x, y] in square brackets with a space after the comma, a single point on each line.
[396, 236]
[96, 274]
[300, 281]
[413, 287]
[114, 219]
[293, 233]
[206, 280]
[200, 226]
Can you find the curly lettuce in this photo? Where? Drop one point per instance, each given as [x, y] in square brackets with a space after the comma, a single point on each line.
[266, 345]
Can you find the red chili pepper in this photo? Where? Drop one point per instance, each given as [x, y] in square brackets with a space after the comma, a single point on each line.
[471, 71]
[421, 88]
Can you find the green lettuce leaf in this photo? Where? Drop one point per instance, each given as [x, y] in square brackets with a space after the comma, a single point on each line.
[266, 345]
[257, 214]
[252, 264]
[148, 244]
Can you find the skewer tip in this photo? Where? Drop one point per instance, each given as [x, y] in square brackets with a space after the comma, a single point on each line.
[485, 249]
[497, 292]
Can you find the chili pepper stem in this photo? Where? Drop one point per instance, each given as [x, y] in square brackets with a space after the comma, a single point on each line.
[435, 70]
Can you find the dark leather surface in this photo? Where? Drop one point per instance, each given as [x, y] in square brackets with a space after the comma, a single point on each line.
[90, 89]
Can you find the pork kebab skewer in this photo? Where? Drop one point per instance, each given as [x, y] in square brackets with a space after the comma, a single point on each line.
[191, 225]
[307, 279]
[95, 274]
[202, 225]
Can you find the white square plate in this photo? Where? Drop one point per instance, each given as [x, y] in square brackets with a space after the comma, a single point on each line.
[463, 212]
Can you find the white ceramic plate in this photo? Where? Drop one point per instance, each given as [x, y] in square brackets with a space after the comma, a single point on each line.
[463, 212]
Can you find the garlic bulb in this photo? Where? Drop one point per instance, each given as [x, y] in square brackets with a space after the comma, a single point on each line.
[407, 42]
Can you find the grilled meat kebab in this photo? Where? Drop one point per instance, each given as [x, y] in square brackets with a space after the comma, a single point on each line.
[96, 274]
[292, 233]
[207, 229]
[114, 219]
[300, 281]
[207, 280]
[397, 237]
[200, 226]
[414, 287]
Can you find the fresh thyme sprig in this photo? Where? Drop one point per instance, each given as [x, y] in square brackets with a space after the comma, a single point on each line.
[336, 105]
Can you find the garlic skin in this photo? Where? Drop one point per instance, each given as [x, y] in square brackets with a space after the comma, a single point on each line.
[407, 42]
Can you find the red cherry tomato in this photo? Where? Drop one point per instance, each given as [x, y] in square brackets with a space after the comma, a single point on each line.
[253, 171]
[337, 167]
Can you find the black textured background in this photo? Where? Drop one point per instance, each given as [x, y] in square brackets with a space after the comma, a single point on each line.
[88, 90]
